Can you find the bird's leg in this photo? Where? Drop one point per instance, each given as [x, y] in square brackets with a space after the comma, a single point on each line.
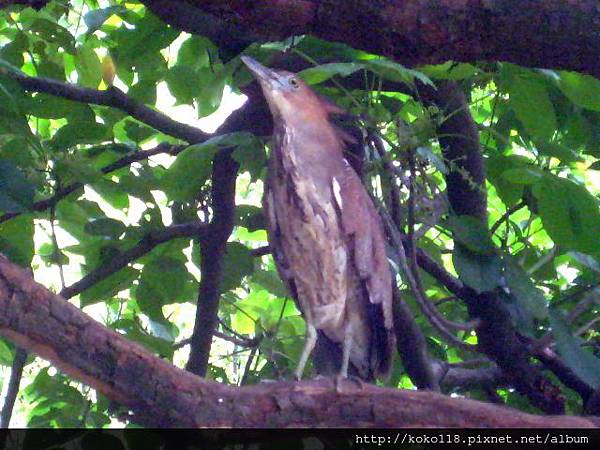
[309, 345]
[347, 346]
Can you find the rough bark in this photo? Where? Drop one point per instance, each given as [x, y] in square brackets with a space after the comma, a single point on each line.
[212, 251]
[532, 33]
[159, 394]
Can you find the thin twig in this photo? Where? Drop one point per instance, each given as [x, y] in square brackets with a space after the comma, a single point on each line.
[510, 211]
[587, 326]
[240, 342]
[433, 318]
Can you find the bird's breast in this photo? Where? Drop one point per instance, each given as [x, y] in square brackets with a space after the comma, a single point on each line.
[302, 207]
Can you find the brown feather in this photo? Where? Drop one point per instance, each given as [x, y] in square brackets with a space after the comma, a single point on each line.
[324, 230]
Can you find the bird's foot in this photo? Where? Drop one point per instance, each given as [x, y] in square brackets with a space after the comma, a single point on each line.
[341, 379]
[338, 380]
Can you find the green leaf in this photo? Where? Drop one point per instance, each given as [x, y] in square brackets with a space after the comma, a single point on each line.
[163, 281]
[531, 103]
[16, 191]
[189, 172]
[583, 90]
[76, 169]
[95, 18]
[397, 72]
[210, 92]
[583, 363]
[251, 217]
[195, 52]
[149, 35]
[12, 52]
[271, 282]
[6, 353]
[252, 158]
[53, 32]
[137, 132]
[481, 272]
[523, 175]
[237, 263]
[472, 233]
[528, 296]
[105, 227]
[192, 167]
[112, 193]
[569, 212]
[449, 71]
[559, 151]
[79, 133]
[109, 286]
[89, 67]
[318, 74]
[495, 166]
[595, 165]
[49, 106]
[183, 82]
[144, 91]
[16, 239]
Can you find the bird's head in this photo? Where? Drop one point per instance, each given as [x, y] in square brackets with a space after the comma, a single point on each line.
[289, 98]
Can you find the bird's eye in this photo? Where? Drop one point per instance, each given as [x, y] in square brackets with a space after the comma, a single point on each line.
[294, 83]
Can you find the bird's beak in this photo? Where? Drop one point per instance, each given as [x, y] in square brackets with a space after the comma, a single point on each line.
[263, 74]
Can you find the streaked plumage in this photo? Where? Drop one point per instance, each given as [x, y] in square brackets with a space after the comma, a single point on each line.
[323, 229]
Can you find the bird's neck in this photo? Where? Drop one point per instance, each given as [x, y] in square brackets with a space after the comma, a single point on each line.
[311, 139]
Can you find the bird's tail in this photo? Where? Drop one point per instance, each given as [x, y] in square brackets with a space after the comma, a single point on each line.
[382, 343]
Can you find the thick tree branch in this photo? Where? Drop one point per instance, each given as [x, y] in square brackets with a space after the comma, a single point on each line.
[145, 245]
[460, 378]
[253, 117]
[159, 394]
[412, 346]
[532, 34]
[212, 251]
[112, 97]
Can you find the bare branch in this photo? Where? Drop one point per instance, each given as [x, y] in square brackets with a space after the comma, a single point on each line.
[224, 175]
[509, 212]
[16, 374]
[159, 394]
[112, 97]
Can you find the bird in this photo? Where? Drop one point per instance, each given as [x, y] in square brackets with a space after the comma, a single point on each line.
[323, 229]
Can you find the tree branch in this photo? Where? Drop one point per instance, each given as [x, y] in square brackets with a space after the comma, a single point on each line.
[159, 394]
[532, 34]
[212, 251]
[112, 97]
[16, 374]
[145, 245]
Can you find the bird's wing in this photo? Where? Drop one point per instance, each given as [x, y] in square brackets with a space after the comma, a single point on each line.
[276, 247]
[362, 225]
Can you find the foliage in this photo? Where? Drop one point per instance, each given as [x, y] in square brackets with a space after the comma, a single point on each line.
[539, 131]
